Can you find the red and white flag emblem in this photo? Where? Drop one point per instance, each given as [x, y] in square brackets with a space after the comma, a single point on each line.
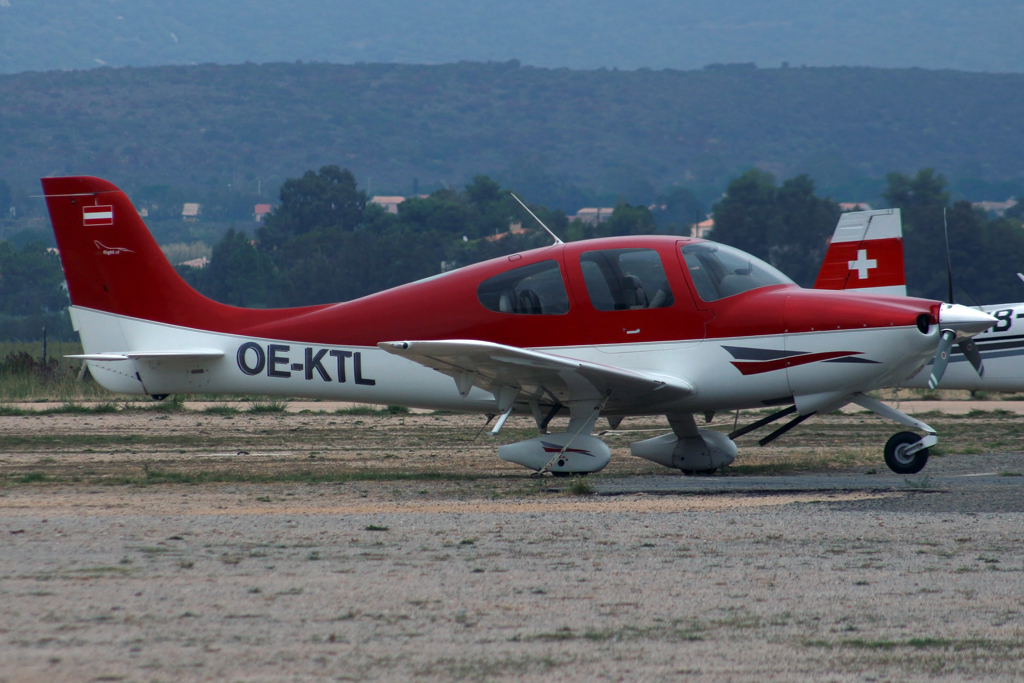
[97, 215]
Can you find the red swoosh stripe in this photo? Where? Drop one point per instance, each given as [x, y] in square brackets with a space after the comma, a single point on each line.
[759, 366]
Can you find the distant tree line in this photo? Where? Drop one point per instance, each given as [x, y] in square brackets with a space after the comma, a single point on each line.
[789, 227]
[325, 242]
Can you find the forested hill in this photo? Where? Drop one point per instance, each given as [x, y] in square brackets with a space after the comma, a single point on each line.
[543, 131]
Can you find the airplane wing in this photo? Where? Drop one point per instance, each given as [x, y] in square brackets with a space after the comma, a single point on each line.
[131, 355]
[515, 374]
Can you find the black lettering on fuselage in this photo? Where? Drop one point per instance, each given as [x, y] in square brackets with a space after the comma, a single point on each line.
[1005, 320]
[357, 369]
[341, 356]
[243, 363]
[273, 360]
[313, 362]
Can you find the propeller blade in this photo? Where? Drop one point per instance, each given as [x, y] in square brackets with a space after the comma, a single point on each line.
[970, 351]
[941, 358]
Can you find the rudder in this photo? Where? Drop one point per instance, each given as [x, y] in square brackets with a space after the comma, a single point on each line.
[866, 254]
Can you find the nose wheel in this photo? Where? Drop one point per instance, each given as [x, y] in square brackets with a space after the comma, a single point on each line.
[905, 453]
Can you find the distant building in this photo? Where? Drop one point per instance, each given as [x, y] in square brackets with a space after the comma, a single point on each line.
[190, 212]
[593, 215]
[701, 230]
[261, 210]
[999, 208]
[200, 262]
[515, 228]
[390, 204]
[853, 206]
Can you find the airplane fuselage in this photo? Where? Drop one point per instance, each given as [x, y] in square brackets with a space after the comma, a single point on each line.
[757, 348]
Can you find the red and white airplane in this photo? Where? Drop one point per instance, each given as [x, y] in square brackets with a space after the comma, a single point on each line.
[866, 255]
[650, 325]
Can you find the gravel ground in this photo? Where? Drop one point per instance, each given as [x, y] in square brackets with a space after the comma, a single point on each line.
[813, 575]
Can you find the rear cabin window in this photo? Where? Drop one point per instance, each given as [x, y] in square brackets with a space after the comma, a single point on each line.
[625, 279]
[719, 272]
[536, 289]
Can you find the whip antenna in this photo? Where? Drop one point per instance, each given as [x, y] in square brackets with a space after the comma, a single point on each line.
[949, 266]
[557, 241]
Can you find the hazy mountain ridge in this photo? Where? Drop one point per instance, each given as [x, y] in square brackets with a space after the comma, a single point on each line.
[630, 133]
[56, 34]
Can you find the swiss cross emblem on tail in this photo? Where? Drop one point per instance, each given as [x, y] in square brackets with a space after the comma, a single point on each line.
[97, 215]
[865, 254]
[863, 264]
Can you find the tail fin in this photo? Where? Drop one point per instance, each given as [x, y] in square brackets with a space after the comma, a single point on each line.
[112, 263]
[866, 254]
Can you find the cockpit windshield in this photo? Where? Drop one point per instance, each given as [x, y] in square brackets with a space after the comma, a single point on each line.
[719, 271]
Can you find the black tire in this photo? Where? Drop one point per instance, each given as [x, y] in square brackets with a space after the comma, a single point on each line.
[895, 456]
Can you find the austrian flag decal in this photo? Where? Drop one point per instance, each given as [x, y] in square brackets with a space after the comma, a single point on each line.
[97, 215]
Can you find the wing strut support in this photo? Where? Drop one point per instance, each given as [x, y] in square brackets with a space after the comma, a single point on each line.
[762, 422]
[500, 423]
[784, 428]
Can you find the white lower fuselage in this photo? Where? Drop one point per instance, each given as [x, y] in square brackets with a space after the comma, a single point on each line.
[887, 356]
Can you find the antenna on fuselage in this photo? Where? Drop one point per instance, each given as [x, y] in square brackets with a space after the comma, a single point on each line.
[557, 241]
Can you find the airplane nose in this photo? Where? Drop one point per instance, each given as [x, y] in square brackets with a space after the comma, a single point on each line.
[965, 321]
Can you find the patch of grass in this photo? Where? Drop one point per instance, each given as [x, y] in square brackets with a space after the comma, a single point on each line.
[377, 527]
[207, 477]
[12, 411]
[1011, 474]
[272, 406]
[221, 410]
[171, 404]
[924, 482]
[32, 478]
[579, 486]
[373, 411]
[752, 462]
[920, 644]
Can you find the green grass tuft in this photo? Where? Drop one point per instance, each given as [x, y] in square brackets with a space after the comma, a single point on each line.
[579, 486]
[221, 410]
[272, 406]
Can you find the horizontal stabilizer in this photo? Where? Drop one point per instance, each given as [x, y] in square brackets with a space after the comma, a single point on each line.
[131, 355]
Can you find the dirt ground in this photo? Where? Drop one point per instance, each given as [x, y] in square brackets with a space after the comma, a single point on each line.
[168, 545]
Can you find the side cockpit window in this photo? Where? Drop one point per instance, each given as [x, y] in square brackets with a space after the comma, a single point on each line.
[536, 289]
[625, 279]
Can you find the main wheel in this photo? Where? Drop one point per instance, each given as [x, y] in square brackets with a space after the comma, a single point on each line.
[897, 458]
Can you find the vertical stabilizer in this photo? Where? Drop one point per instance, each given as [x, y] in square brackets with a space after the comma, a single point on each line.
[866, 254]
[113, 265]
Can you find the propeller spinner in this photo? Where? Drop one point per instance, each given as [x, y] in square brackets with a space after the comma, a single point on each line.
[959, 322]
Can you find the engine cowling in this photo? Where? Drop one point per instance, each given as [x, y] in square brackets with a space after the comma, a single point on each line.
[709, 451]
[584, 454]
